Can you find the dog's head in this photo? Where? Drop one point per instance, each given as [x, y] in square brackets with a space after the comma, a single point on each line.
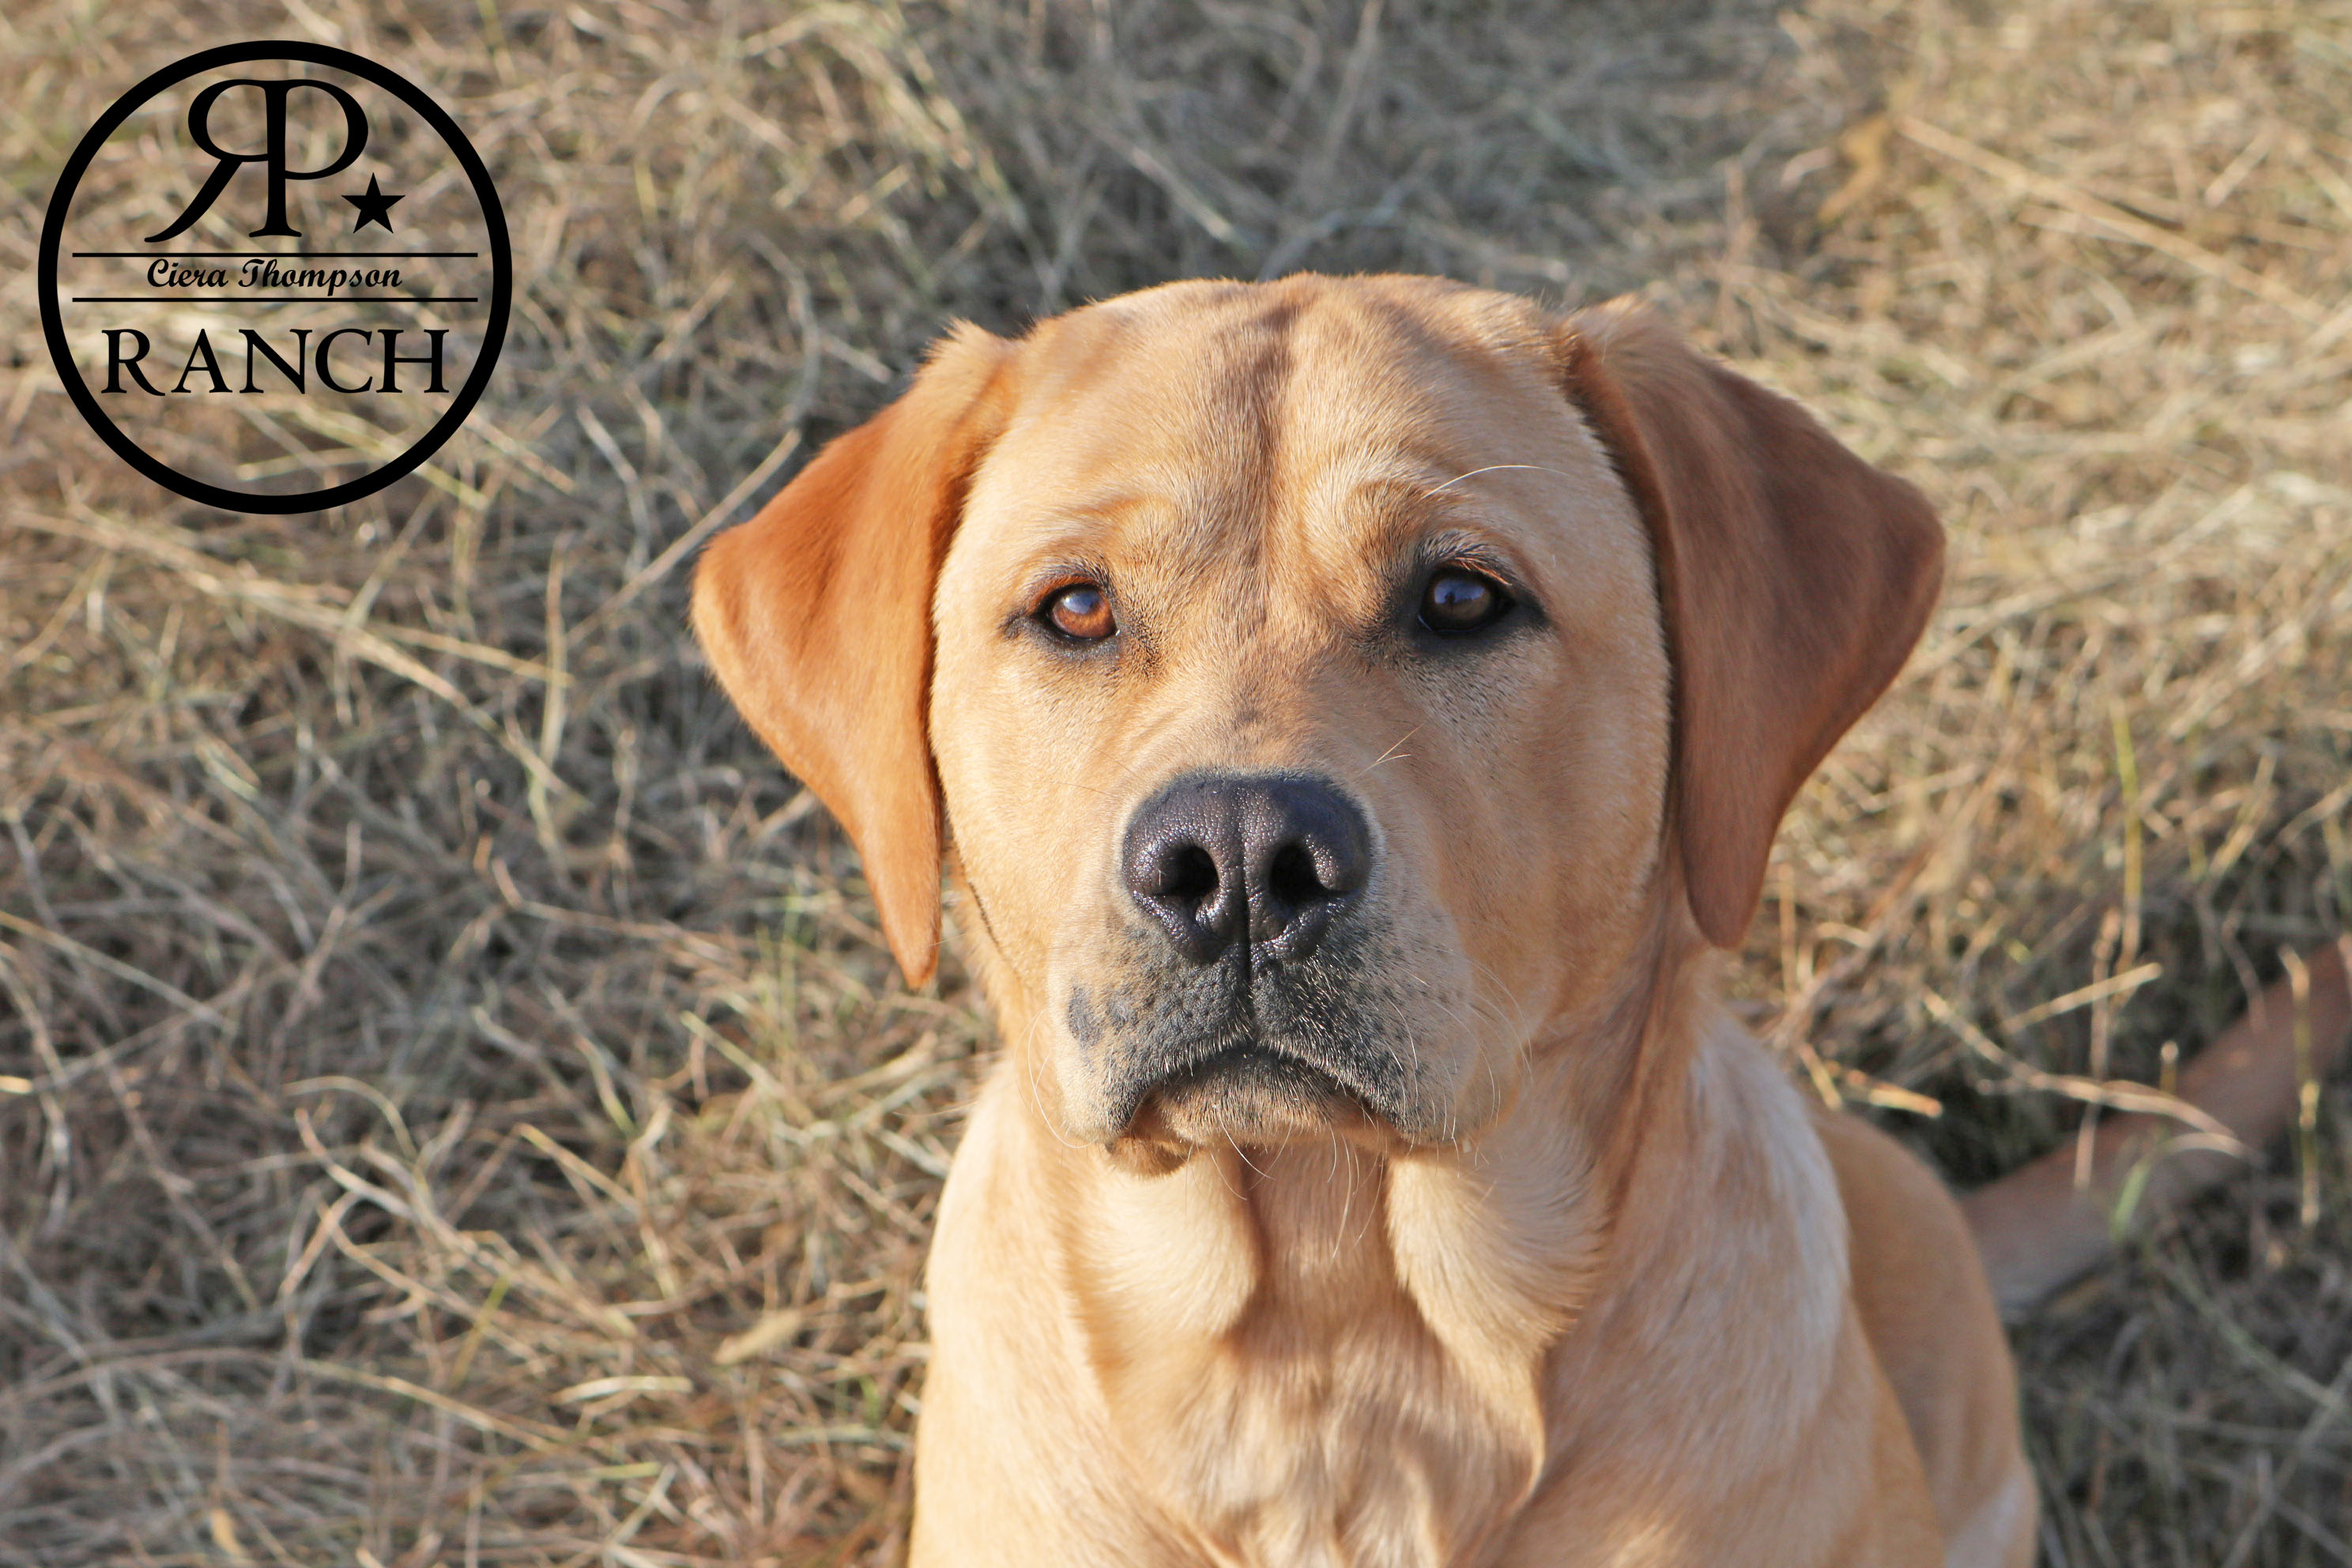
[1333, 687]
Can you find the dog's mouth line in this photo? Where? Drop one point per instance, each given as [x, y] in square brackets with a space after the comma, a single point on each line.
[1252, 1049]
[1246, 1052]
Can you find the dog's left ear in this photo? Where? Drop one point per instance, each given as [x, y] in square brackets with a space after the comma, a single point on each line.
[817, 618]
[1793, 576]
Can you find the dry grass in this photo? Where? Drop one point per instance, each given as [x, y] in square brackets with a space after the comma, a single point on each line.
[455, 1110]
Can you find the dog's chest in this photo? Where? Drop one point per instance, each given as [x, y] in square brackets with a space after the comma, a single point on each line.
[1311, 1415]
[1366, 1450]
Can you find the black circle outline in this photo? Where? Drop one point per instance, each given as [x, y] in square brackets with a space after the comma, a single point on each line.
[494, 332]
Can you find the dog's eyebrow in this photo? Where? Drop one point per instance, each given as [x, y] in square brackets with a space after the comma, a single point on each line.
[1412, 476]
[1092, 510]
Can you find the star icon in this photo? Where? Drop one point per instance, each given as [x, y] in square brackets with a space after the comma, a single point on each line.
[375, 207]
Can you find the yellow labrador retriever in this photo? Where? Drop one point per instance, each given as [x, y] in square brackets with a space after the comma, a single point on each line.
[1354, 712]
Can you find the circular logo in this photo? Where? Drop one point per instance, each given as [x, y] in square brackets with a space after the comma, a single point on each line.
[275, 276]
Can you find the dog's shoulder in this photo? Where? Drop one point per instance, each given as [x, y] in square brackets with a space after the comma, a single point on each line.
[1919, 1289]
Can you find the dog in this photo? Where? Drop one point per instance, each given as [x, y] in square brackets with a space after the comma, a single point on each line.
[1353, 715]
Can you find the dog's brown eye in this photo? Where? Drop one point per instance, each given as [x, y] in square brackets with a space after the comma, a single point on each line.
[1459, 601]
[1081, 611]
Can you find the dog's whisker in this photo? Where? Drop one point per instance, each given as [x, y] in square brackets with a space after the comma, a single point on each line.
[1391, 755]
[1496, 468]
[1046, 1112]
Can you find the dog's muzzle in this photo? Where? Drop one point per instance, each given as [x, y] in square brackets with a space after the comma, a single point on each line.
[1251, 997]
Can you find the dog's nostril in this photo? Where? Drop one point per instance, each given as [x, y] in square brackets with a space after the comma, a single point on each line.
[1189, 877]
[1292, 877]
[1182, 865]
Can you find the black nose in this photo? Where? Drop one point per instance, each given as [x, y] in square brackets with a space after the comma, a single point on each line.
[1267, 858]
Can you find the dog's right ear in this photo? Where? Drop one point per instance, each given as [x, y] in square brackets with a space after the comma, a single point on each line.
[816, 616]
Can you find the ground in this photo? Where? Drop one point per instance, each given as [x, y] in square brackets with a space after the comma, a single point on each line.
[453, 1105]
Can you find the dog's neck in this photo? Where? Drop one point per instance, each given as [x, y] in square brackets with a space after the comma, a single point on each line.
[1315, 1353]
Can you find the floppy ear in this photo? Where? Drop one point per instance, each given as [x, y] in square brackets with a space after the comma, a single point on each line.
[816, 616]
[1794, 579]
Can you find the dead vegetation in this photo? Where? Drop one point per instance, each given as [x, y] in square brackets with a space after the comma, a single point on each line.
[453, 1108]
